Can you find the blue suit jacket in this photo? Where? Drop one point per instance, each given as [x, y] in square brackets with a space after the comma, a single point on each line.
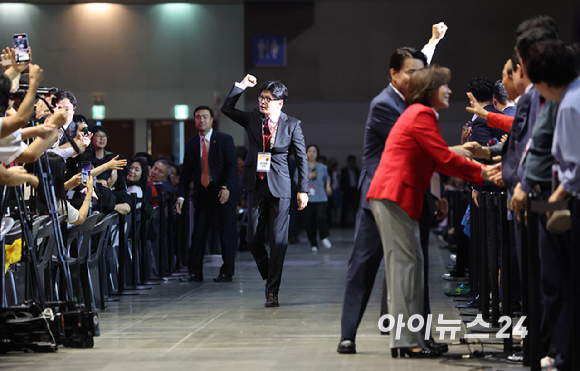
[520, 132]
[384, 111]
[222, 162]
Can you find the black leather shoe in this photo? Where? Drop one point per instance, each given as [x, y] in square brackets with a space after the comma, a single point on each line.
[436, 347]
[346, 346]
[271, 300]
[192, 278]
[223, 278]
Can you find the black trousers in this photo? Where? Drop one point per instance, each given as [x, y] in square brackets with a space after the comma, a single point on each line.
[555, 281]
[316, 219]
[271, 214]
[362, 269]
[207, 207]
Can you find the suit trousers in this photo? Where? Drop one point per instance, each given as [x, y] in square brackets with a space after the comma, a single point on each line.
[271, 214]
[404, 267]
[315, 219]
[362, 270]
[207, 207]
[556, 290]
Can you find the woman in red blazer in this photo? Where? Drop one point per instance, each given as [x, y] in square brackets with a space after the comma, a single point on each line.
[413, 151]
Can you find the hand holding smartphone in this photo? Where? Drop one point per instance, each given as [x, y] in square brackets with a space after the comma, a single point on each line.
[85, 171]
[21, 48]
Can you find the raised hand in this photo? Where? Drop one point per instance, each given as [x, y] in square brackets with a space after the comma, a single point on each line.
[438, 32]
[249, 81]
[476, 108]
[35, 74]
[59, 117]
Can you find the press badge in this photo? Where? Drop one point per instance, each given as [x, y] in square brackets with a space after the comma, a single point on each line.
[264, 161]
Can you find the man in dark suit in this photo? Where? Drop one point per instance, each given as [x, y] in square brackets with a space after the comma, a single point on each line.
[271, 134]
[211, 162]
[367, 253]
[66, 100]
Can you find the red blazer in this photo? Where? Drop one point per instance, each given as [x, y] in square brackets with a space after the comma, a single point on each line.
[413, 151]
[499, 121]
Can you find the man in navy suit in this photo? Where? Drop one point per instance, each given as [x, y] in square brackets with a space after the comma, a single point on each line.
[367, 254]
[211, 162]
[271, 135]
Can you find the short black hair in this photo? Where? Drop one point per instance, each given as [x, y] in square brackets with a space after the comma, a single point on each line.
[5, 85]
[80, 118]
[400, 55]
[350, 158]
[552, 62]
[499, 92]
[95, 129]
[278, 90]
[315, 146]
[146, 156]
[203, 108]
[532, 36]
[538, 21]
[481, 88]
[62, 94]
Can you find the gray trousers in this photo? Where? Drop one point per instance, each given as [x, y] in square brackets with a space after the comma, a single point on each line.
[403, 268]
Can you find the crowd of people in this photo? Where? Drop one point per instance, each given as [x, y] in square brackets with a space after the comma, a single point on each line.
[523, 127]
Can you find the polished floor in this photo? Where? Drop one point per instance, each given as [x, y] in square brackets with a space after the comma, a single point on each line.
[224, 326]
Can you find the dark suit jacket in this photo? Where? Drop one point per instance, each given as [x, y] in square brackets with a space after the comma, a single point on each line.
[72, 130]
[222, 162]
[384, 112]
[288, 136]
[482, 133]
[520, 132]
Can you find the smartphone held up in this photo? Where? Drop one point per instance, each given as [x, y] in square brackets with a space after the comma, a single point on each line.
[21, 48]
[85, 171]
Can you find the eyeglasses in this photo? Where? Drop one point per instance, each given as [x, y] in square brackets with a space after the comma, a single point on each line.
[101, 136]
[266, 99]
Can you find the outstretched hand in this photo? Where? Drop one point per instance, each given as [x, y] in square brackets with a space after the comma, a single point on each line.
[116, 164]
[476, 108]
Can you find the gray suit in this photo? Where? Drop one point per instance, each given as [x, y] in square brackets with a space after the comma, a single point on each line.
[269, 199]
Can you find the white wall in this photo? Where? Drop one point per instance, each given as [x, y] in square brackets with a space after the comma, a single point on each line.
[145, 58]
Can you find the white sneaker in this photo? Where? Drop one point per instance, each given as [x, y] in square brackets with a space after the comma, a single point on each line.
[547, 362]
[314, 249]
[326, 243]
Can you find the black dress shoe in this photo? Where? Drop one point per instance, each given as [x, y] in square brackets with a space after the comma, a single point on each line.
[271, 300]
[192, 278]
[436, 347]
[346, 346]
[223, 278]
